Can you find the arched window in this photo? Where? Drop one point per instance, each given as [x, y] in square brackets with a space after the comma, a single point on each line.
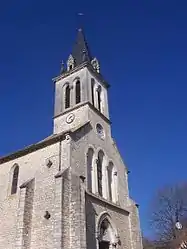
[92, 89]
[99, 172]
[89, 168]
[15, 180]
[99, 98]
[110, 180]
[78, 92]
[102, 101]
[67, 97]
[114, 185]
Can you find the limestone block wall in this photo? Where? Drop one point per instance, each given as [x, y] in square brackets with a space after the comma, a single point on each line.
[28, 210]
[23, 213]
[135, 226]
[69, 227]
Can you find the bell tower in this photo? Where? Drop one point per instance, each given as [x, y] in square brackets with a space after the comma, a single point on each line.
[79, 87]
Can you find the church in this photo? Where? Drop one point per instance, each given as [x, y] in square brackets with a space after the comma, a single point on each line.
[70, 190]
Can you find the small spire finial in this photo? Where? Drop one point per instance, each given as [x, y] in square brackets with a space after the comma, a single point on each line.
[62, 67]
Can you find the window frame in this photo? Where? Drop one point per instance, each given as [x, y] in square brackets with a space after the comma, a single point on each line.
[15, 178]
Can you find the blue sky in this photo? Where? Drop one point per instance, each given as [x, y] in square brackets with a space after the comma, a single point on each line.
[141, 46]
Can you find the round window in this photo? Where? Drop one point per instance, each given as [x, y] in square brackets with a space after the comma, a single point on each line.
[100, 130]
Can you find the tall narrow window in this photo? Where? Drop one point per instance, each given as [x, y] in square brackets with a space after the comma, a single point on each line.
[110, 183]
[15, 180]
[67, 97]
[92, 89]
[89, 168]
[99, 99]
[99, 173]
[78, 92]
[110, 170]
[114, 185]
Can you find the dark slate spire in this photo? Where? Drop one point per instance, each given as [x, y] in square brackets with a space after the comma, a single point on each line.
[80, 50]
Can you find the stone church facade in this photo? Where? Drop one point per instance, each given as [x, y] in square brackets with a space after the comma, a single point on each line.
[70, 190]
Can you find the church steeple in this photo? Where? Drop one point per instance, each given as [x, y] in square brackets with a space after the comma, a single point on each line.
[80, 55]
[81, 52]
[80, 87]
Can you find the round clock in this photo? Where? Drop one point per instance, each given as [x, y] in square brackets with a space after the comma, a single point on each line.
[70, 118]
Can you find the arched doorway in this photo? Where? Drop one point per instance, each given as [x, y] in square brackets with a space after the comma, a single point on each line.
[107, 233]
[104, 242]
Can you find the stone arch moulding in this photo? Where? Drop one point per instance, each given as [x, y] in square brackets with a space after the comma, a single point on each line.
[77, 92]
[101, 149]
[101, 173]
[65, 84]
[90, 169]
[101, 154]
[75, 79]
[112, 181]
[113, 237]
[86, 152]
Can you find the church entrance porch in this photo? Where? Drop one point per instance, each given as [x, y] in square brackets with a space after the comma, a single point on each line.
[107, 233]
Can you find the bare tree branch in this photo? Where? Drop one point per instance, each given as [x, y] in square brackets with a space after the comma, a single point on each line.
[169, 207]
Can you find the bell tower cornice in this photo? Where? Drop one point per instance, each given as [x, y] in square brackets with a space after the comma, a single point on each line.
[76, 69]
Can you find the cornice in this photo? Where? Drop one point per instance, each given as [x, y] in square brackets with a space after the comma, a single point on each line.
[98, 76]
[108, 203]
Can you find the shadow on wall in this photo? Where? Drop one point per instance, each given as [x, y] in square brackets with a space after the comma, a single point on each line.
[82, 131]
[90, 225]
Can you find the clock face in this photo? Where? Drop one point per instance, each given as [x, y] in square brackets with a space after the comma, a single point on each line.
[70, 118]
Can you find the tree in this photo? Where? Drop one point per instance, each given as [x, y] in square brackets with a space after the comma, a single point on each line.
[150, 244]
[169, 207]
[147, 244]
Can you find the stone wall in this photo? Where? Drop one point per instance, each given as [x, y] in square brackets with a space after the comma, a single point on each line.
[135, 226]
[28, 205]
[27, 217]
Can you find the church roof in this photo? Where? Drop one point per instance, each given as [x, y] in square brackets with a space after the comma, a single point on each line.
[81, 52]
[41, 144]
